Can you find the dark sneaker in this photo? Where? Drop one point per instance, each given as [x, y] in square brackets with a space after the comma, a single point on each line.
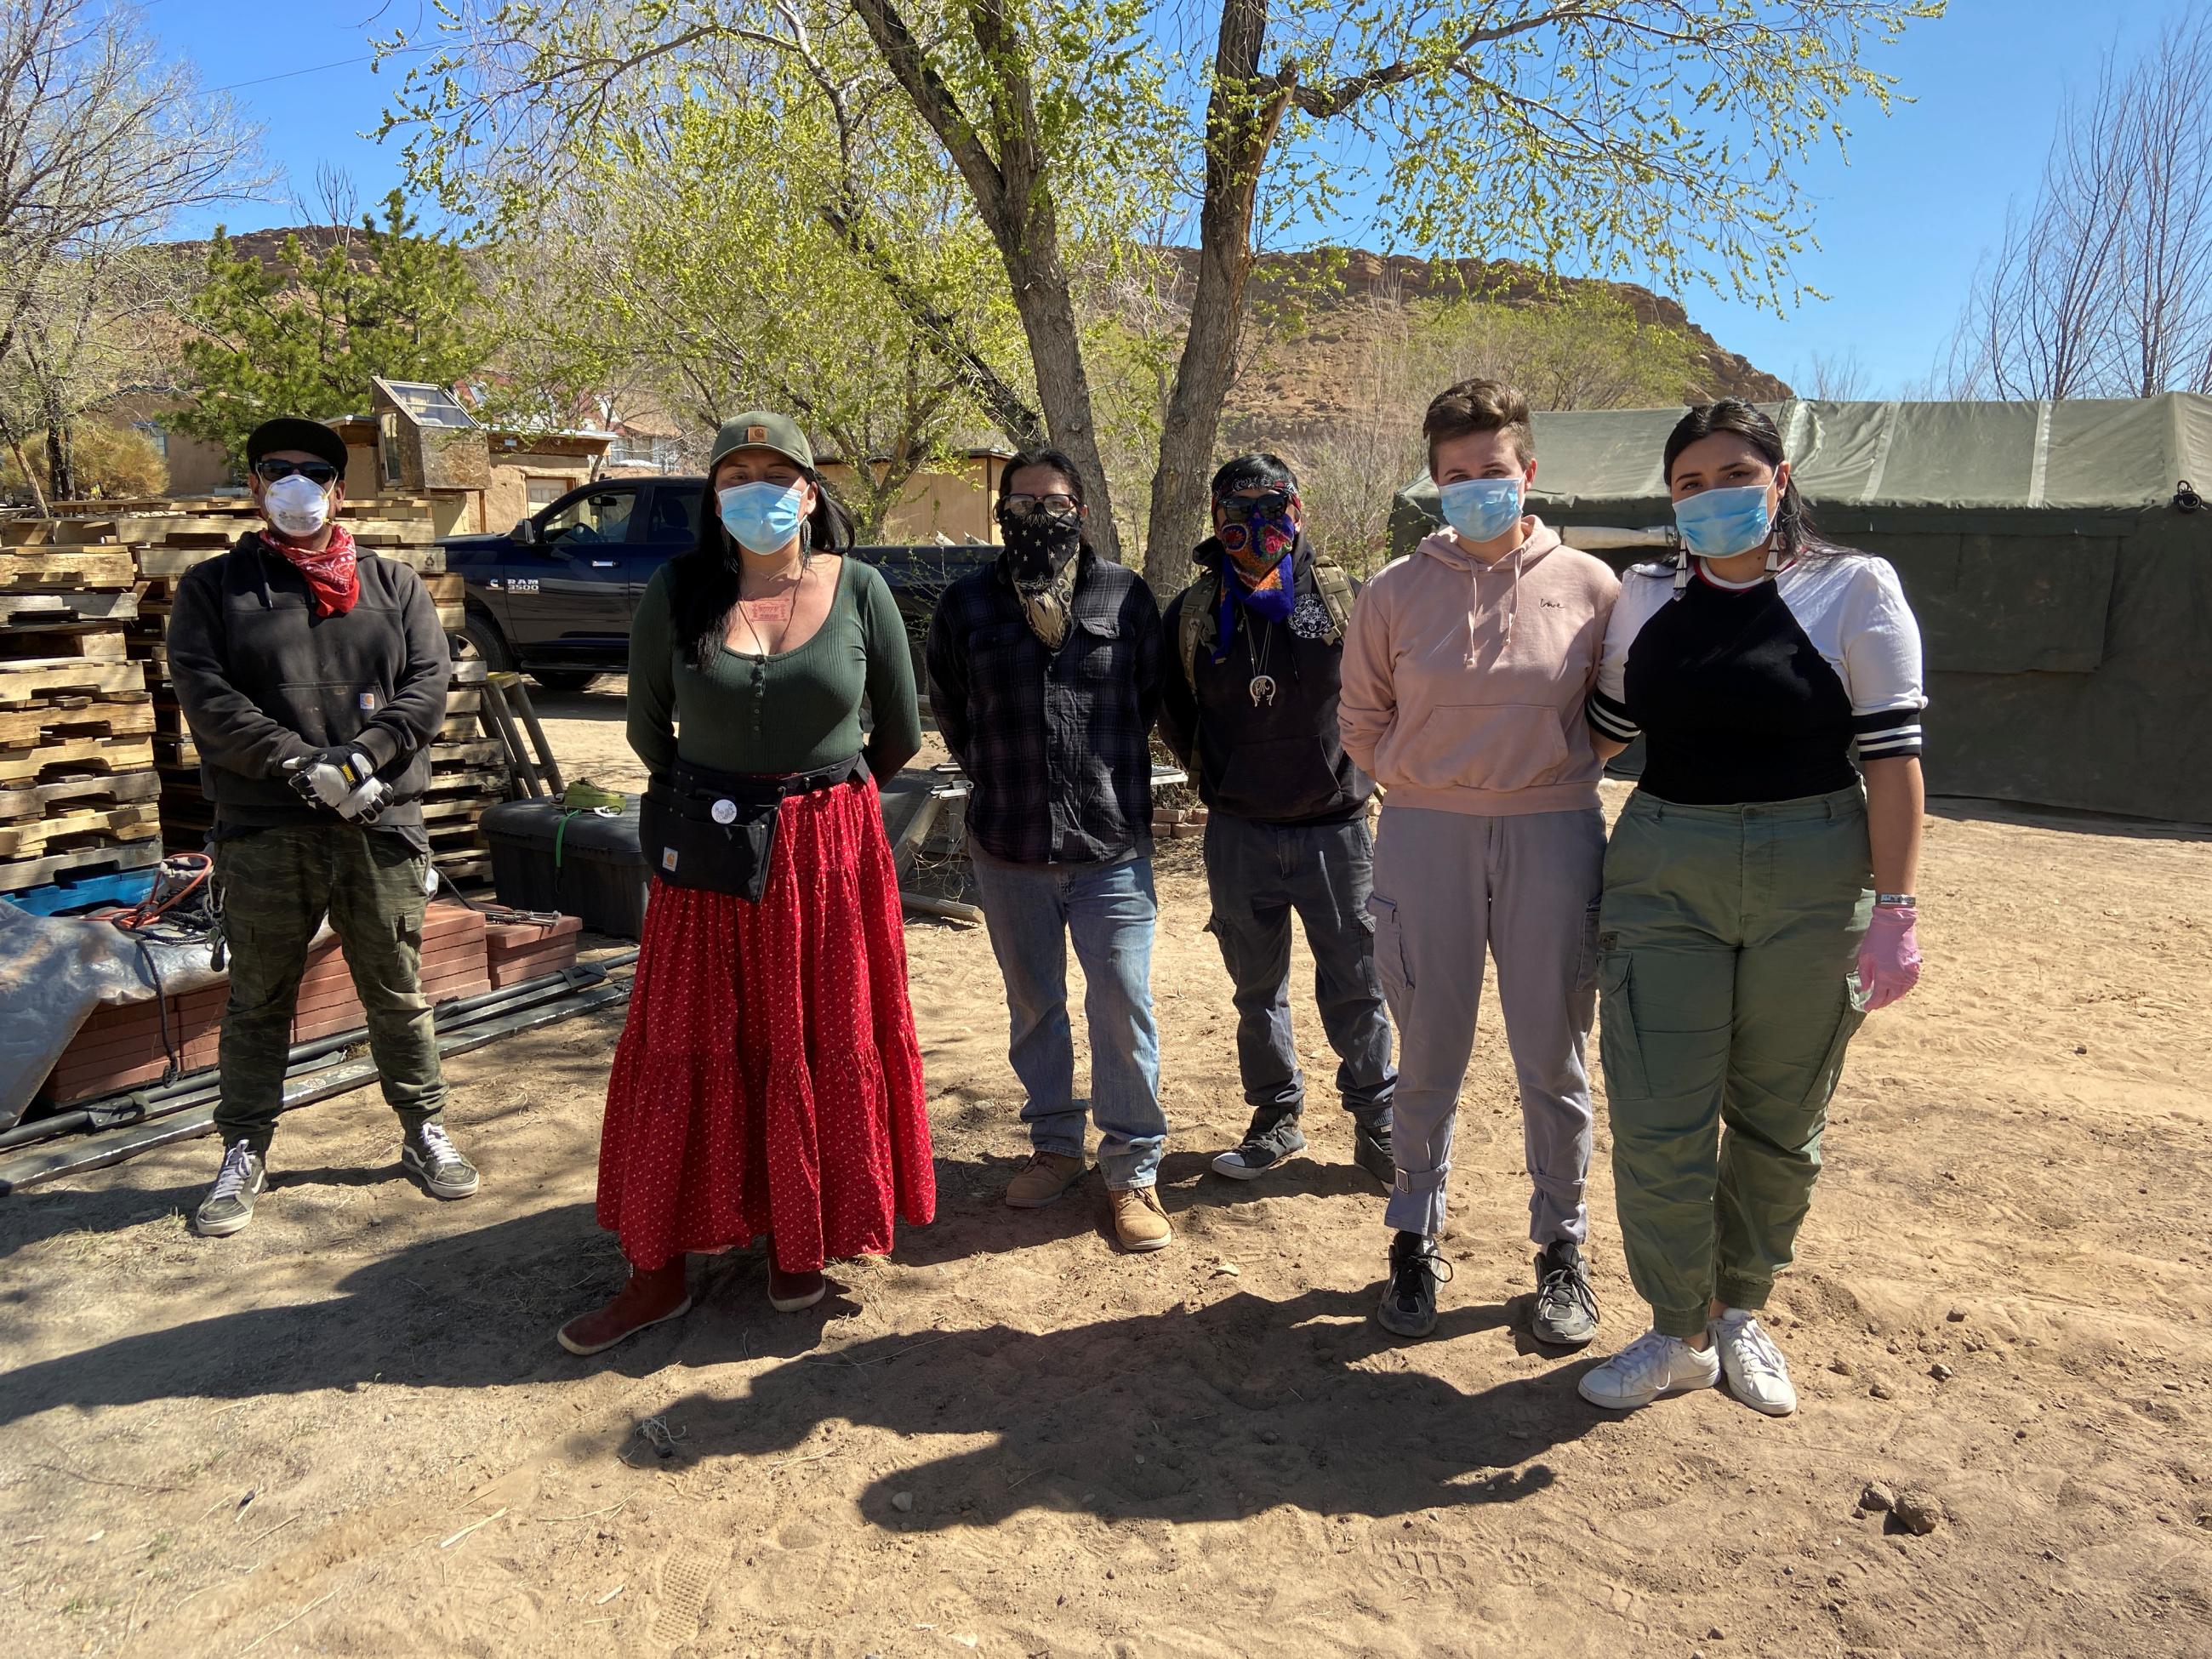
[229, 1203]
[1371, 1151]
[1267, 1143]
[794, 1292]
[1565, 1315]
[1409, 1299]
[433, 1160]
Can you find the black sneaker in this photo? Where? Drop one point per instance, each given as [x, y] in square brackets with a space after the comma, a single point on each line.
[229, 1203]
[1370, 1148]
[1409, 1299]
[431, 1158]
[1565, 1315]
[1267, 1143]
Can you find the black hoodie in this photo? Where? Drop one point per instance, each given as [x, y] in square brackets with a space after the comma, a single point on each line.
[262, 679]
[1273, 762]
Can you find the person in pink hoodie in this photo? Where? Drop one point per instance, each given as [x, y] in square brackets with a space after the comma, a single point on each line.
[1466, 669]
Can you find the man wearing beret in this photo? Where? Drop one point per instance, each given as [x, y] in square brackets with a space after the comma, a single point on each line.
[312, 676]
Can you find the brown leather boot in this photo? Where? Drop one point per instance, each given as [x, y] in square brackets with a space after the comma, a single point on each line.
[650, 1296]
[1139, 1221]
[1042, 1179]
[794, 1292]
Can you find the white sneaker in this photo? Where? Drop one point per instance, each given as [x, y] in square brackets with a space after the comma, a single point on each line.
[1651, 1365]
[1757, 1374]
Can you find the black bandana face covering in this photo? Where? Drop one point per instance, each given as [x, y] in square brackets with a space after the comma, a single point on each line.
[1040, 549]
[1040, 545]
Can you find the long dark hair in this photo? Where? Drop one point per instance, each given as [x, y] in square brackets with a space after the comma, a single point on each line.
[1732, 415]
[703, 582]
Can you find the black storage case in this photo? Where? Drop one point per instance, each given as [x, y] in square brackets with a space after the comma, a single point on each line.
[601, 875]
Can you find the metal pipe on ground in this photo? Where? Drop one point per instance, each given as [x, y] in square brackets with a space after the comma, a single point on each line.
[98, 1151]
[153, 1104]
[920, 904]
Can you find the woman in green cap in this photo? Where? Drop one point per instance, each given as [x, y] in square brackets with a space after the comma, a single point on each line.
[769, 1080]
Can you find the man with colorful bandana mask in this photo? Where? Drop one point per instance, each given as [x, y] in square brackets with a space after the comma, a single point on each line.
[313, 677]
[1251, 710]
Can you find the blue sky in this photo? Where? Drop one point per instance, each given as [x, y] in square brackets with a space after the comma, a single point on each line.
[1901, 227]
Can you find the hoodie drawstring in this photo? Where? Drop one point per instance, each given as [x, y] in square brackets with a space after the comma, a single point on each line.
[1474, 604]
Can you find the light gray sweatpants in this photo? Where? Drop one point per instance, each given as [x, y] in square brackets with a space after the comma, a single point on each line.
[1446, 885]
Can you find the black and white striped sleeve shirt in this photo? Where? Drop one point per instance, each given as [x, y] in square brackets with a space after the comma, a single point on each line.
[1761, 691]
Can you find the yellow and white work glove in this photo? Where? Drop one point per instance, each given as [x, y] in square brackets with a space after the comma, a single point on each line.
[343, 779]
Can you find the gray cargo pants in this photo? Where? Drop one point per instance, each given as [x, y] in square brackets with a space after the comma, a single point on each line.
[277, 885]
[1447, 885]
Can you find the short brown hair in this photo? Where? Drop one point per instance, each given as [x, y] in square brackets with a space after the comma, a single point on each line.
[1478, 406]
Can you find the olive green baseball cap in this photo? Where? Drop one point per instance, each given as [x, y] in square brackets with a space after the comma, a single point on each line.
[760, 429]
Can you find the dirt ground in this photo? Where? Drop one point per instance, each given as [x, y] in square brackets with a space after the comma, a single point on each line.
[348, 1430]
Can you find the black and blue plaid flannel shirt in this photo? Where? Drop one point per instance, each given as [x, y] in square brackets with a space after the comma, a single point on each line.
[1057, 744]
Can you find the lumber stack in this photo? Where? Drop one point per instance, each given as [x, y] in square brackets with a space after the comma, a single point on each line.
[152, 543]
[518, 950]
[78, 793]
[125, 1046]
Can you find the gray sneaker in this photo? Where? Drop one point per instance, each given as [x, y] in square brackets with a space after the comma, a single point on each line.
[1565, 1311]
[1265, 1145]
[229, 1203]
[431, 1158]
[1409, 1296]
[1371, 1149]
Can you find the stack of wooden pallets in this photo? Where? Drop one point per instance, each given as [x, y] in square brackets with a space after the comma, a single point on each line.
[78, 793]
[163, 539]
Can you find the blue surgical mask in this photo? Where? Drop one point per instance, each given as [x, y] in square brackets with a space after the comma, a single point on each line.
[1719, 524]
[1482, 509]
[761, 518]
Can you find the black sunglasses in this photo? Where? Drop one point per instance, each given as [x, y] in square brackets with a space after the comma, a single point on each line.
[1239, 509]
[321, 474]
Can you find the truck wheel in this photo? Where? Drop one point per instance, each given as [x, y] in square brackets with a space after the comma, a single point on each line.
[483, 634]
[562, 679]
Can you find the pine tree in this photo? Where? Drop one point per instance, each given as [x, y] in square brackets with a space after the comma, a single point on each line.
[302, 336]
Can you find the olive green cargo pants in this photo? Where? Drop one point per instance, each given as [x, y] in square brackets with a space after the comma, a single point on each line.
[1724, 939]
[277, 885]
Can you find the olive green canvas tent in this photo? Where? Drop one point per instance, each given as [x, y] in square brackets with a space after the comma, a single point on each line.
[2059, 564]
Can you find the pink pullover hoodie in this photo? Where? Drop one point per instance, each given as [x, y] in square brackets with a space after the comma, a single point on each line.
[1464, 683]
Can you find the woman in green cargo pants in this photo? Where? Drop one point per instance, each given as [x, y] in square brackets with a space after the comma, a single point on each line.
[1758, 892]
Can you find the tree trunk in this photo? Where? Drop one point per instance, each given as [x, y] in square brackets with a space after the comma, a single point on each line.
[61, 472]
[1240, 128]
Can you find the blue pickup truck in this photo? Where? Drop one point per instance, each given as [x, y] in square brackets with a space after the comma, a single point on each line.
[553, 598]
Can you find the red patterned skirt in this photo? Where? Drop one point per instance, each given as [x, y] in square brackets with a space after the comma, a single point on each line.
[767, 1079]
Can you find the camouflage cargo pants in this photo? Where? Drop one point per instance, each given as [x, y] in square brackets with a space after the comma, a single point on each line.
[277, 885]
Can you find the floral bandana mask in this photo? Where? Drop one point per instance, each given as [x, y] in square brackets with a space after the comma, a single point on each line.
[1258, 541]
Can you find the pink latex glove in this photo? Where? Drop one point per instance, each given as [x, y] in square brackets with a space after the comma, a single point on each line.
[1889, 957]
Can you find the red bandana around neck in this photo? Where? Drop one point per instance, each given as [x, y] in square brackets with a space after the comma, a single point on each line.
[333, 574]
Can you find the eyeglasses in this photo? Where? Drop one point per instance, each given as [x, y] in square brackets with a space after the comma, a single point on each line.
[1022, 506]
[1241, 509]
[321, 474]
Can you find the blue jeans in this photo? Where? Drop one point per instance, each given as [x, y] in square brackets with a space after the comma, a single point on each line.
[1032, 910]
[1257, 874]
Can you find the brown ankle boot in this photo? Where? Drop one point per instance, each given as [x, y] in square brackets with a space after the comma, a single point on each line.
[794, 1292]
[650, 1296]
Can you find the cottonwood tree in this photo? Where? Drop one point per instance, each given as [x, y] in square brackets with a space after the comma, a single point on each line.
[1614, 136]
[102, 143]
[2101, 286]
[650, 265]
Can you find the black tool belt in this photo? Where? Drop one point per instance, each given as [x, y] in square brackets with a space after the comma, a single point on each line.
[716, 830]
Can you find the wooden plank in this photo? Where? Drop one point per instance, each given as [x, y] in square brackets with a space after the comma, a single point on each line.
[41, 800]
[25, 568]
[119, 823]
[90, 861]
[53, 610]
[177, 751]
[43, 680]
[103, 755]
[446, 587]
[447, 757]
[96, 642]
[112, 717]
